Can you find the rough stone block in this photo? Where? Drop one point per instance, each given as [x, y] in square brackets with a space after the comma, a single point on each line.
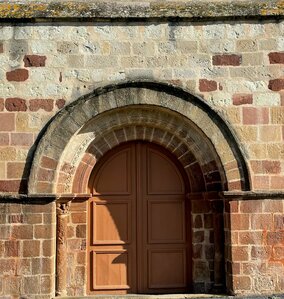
[15, 104]
[34, 60]
[7, 121]
[18, 75]
[227, 59]
[276, 57]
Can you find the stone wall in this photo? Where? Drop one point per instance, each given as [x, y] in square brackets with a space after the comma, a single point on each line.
[27, 249]
[255, 248]
[235, 66]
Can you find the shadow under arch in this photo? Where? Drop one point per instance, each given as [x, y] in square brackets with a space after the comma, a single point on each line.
[55, 142]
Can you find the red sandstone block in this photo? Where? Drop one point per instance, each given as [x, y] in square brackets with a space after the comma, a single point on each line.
[70, 232]
[4, 139]
[34, 60]
[227, 59]
[33, 218]
[48, 163]
[31, 248]
[241, 283]
[250, 238]
[22, 139]
[262, 221]
[48, 248]
[1, 104]
[18, 75]
[60, 103]
[254, 116]
[240, 253]
[279, 221]
[46, 266]
[18, 218]
[8, 266]
[275, 238]
[276, 57]
[44, 104]
[239, 221]
[78, 206]
[12, 248]
[43, 231]
[15, 104]
[251, 206]
[242, 99]
[207, 85]
[45, 175]
[7, 121]
[266, 166]
[276, 84]
[13, 185]
[79, 217]
[234, 185]
[22, 232]
[44, 187]
[277, 182]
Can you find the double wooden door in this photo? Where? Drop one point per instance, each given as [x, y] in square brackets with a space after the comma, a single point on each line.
[138, 230]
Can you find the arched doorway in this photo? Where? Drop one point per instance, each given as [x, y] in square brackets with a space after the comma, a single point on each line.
[139, 228]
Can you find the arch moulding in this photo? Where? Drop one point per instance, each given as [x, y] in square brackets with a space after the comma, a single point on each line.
[170, 116]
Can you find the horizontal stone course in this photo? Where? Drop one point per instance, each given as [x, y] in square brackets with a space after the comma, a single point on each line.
[154, 9]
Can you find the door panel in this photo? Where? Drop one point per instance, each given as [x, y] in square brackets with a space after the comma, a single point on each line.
[166, 221]
[115, 176]
[111, 269]
[111, 223]
[167, 268]
[138, 240]
[163, 176]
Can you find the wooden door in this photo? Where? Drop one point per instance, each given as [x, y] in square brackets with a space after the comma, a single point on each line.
[138, 236]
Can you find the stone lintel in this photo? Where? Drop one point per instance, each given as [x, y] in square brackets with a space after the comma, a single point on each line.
[252, 195]
[119, 9]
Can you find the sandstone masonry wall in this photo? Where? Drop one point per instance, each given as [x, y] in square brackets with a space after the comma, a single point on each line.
[236, 67]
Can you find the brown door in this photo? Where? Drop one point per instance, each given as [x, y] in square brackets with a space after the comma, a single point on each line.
[138, 236]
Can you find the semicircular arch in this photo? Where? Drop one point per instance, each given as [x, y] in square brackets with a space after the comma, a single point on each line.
[82, 132]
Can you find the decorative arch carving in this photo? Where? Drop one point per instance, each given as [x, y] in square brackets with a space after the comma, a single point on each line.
[83, 131]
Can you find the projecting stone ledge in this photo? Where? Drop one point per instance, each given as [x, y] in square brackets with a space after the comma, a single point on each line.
[119, 9]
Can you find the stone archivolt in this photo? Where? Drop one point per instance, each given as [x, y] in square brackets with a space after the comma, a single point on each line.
[82, 132]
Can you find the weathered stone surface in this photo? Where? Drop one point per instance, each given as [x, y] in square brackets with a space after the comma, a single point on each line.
[146, 9]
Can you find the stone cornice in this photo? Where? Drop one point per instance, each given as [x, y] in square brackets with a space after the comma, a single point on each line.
[119, 9]
[252, 195]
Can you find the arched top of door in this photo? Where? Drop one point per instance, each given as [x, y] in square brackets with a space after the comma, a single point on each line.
[83, 131]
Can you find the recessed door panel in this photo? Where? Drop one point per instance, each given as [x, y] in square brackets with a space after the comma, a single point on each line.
[115, 175]
[111, 269]
[111, 223]
[166, 221]
[138, 240]
[167, 269]
[163, 176]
